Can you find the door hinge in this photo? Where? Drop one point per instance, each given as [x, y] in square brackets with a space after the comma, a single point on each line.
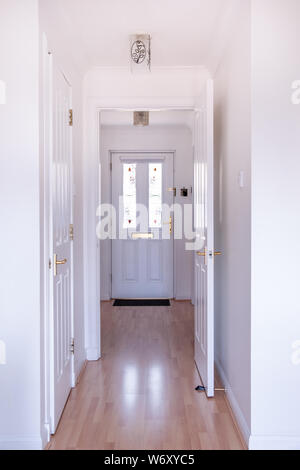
[72, 346]
[71, 232]
[50, 264]
[110, 166]
[71, 117]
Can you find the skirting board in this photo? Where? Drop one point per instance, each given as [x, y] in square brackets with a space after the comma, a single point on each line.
[82, 370]
[93, 354]
[236, 410]
[46, 435]
[20, 443]
[274, 443]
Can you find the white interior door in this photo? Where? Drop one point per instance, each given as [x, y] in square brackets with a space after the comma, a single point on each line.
[62, 316]
[204, 226]
[142, 253]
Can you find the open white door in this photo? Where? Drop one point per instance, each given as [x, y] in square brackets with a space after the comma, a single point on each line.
[61, 326]
[204, 227]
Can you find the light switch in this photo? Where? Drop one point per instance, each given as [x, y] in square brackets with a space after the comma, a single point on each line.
[241, 179]
[2, 353]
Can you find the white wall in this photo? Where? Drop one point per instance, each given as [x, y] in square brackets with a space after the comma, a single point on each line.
[275, 224]
[233, 218]
[23, 407]
[154, 138]
[20, 419]
[23, 412]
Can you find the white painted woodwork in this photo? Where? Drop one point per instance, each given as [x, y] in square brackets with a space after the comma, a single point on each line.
[142, 268]
[61, 325]
[171, 89]
[204, 227]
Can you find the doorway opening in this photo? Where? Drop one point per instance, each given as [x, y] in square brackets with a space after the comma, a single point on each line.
[131, 154]
[152, 167]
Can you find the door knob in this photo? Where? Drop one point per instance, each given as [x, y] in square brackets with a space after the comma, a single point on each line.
[58, 262]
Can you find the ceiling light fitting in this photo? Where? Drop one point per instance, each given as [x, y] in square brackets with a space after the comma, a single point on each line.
[141, 118]
[140, 53]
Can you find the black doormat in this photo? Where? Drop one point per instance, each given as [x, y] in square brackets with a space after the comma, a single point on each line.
[142, 303]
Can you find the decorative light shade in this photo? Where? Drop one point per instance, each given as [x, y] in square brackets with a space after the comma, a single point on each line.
[2, 92]
[140, 53]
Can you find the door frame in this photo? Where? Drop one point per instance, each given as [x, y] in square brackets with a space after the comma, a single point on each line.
[145, 153]
[47, 258]
[92, 198]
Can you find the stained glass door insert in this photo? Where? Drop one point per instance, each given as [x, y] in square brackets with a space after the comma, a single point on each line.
[129, 195]
[155, 195]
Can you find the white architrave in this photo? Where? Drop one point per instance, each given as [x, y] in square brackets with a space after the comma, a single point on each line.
[92, 193]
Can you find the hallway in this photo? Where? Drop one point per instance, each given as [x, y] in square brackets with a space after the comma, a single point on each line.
[141, 396]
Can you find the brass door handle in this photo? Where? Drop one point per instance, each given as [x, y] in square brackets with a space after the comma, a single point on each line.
[63, 261]
[203, 253]
[173, 190]
[58, 262]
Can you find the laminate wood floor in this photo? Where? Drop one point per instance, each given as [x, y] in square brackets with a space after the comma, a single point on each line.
[141, 394]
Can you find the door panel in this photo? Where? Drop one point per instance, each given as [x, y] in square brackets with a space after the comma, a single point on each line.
[155, 261]
[204, 227]
[142, 267]
[61, 367]
[130, 269]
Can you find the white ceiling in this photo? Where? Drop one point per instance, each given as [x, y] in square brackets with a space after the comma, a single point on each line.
[184, 32]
